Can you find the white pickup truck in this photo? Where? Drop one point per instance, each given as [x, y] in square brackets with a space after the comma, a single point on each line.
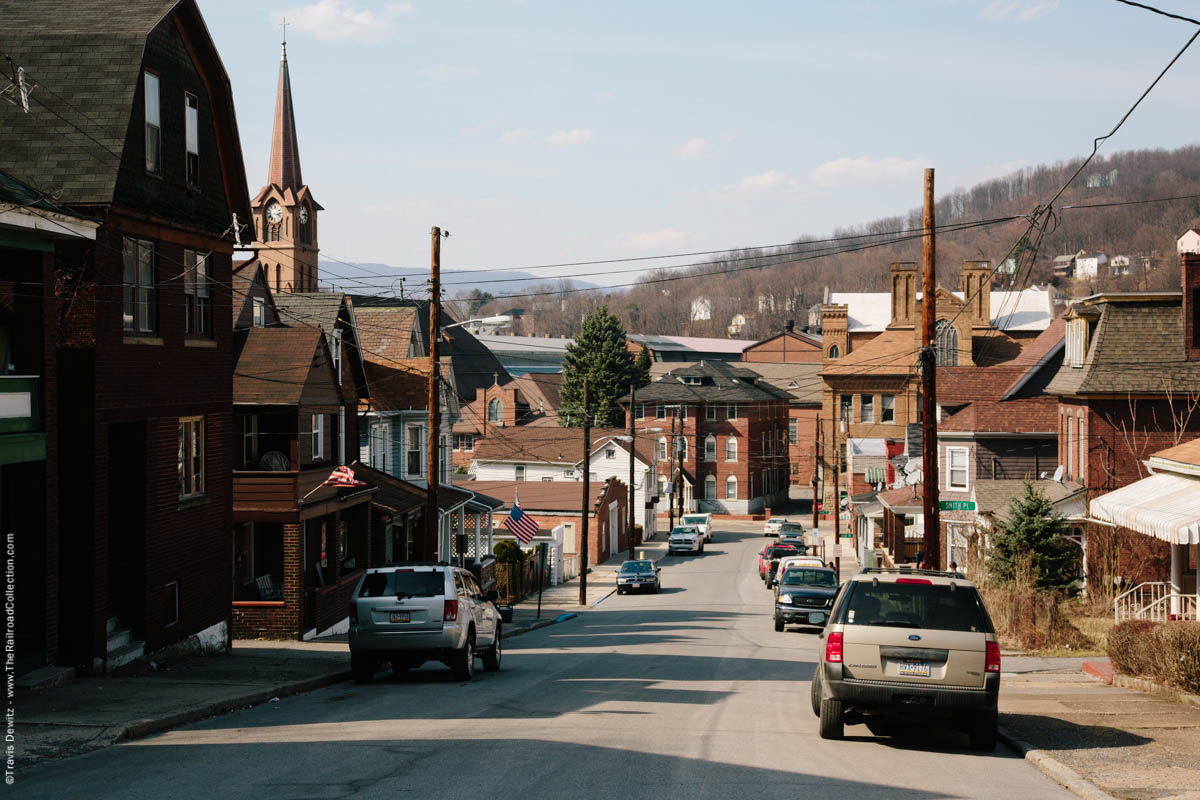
[685, 538]
[701, 521]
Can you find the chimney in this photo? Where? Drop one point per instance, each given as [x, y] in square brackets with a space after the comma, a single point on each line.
[833, 329]
[975, 281]
[1189, 267]
[904, 294]
[790, 326]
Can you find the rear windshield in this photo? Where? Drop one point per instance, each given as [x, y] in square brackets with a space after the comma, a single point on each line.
[779, 550]
[809, 577]
[694, 520]
[914, 605]
[403, 584]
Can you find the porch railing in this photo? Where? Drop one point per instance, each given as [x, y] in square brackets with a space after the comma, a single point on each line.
[1152, 601]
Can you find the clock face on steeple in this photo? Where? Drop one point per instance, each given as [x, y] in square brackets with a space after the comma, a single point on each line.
[303, 215]
[274, 213]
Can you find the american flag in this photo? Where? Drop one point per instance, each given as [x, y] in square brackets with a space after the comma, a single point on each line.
[520, 523]
[343, 476]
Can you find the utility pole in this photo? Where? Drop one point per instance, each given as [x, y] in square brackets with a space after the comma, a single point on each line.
[670, 469]
[632, 454]
[587, 491]
[679, 457]
[433, 474]
[816, 471]
[929, 383]
[837, 499]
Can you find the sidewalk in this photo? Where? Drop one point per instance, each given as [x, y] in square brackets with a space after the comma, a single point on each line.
[1127, 743]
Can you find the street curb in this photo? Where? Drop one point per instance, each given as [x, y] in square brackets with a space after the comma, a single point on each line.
[147, 727]
[598, 600]
[541, 623]
[1054, 769]
[1147, 686]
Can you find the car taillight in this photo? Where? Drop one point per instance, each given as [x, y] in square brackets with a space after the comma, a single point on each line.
[451, 612]
[353, 612]
[833, 648]
[921, 581]
[992, 657]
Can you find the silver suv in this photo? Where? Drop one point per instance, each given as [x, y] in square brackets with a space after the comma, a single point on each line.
[412, 613]
[908, 646]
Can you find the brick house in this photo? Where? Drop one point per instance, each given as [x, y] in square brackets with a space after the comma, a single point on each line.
[30, 229]
[1128, 387]
[552, 503]
[871, 388]
[732, 427]
[144, 387]
[528, 400]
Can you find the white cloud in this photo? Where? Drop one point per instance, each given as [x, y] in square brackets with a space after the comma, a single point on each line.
[1018, 10]
[656, 240]
[336, 21]
[866, 170]
[444, 72]
[692, 148]
[517, 136]
[771, 179]
[571, 138]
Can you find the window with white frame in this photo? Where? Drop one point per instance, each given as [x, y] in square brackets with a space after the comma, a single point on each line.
[956, 474]
[731, 488]
[1070, 444]
[731, 411]
[414, 440]
[710, 487]
[731, 448]
[845, 406]
[1081, 436]
[887, 408]
[140, 303]
[318, 437]
[153, 123]
[249, 424]
[946, 344]
[335, 350]
[518, 472]
[259, 320]
[191, 456]
[710, 448]
[191, 135]
[834, 352]
[682, 448]
[197, 295]
[610, 452]
[495, 411]
[866, 408]
[1077, 342]
[660, 411]
[793, 433]
[663, 454]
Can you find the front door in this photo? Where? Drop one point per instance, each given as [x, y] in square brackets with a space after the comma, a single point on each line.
[127, 525]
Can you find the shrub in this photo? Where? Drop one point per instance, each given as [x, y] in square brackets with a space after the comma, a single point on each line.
[507, 551]
[1165, 652]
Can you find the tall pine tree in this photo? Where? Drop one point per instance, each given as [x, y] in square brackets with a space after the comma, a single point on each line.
[1036, 533]
[642, 367]
[600, 355]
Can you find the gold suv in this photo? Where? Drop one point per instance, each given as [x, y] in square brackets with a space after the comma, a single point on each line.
[913, 646]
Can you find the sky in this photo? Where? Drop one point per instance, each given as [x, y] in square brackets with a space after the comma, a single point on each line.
[546, 132]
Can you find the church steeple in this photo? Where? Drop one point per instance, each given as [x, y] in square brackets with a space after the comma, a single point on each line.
[285, 212]
[284, 171]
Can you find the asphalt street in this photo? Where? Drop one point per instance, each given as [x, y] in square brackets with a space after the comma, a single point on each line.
[686, 694]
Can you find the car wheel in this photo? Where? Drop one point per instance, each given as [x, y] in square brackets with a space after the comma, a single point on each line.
[815, 691]
[492, 656]
[778, 625]
[620, 590]
[983, 730]
[463, 664]
[833, 724]
[362, 668]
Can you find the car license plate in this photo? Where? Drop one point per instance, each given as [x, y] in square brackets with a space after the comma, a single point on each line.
[917, 669]
[398, 616]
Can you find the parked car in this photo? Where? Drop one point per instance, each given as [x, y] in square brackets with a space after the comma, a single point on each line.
[791, 533]
[685, 538]
[771, 527]
[790, 561]
[701, 521]
[636, 575]
[909, 645]
[805, 595]
[771, 552]
[412, 613]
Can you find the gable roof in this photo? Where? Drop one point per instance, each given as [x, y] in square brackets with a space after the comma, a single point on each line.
[539, 497]
[547, 445]
[1137, 347]
[1025, 310]
[1187, 453]
[725, 382]
[385, 332]
[248, 280]
[809, 339]
[799, 380]
[318, 309]
[86, 58]
[284, 366]
[994, 497]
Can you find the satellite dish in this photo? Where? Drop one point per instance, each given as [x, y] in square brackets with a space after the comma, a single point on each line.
[275, 461]
[911, 467]
[912, 479]
[1058, 473]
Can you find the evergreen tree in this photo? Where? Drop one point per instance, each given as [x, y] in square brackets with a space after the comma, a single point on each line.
[600, 355]
[1035, 533]
[642, 367]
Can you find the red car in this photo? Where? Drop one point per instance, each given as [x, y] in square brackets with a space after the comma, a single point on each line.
[773, 551]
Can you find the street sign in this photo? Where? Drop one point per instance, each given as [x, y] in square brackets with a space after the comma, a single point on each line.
[957, 505]
[837, 550]
[845, 535]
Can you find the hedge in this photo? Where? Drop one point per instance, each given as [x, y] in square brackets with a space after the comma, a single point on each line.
[1167, 652]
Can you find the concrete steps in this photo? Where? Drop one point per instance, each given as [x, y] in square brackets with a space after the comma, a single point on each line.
[121, 649]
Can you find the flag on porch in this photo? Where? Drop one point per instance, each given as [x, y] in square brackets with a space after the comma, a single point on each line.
[343, 477]
[520, 523]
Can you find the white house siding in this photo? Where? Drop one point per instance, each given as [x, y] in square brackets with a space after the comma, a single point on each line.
[534, 471]
[604, 468]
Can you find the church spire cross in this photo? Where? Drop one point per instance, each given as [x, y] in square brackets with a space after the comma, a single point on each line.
[283, 24]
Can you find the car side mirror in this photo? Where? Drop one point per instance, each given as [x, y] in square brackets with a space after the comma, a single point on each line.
[492, 595]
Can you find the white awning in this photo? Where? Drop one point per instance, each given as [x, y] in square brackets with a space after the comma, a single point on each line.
[1165, 506]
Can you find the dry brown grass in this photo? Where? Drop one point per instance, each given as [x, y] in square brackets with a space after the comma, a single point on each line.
[1033, 621]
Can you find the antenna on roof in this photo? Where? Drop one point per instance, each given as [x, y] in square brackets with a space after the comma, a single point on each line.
[18, 90]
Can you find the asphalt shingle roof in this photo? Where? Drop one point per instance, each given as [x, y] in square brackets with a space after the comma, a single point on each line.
[724, 382]
[274, 366]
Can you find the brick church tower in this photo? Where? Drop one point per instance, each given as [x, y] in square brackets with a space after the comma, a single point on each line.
[285, 212]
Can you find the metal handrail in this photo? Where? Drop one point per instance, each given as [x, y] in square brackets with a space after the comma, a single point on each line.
[1151, 600]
